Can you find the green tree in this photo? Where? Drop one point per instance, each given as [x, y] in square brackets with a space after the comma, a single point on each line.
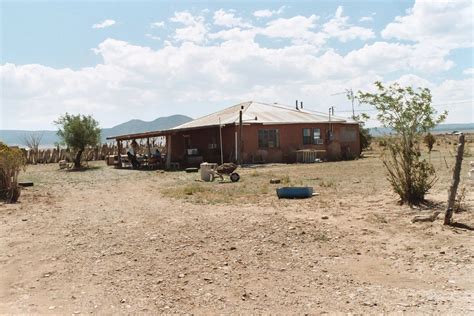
[409, 113]
[77, 132]
[429, 140]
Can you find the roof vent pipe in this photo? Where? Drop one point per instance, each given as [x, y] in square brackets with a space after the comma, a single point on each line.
[297, 104]
[301, 104]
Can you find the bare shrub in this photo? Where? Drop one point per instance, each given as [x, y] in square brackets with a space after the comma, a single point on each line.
[429, 141]
[12, 161]
[32, 141]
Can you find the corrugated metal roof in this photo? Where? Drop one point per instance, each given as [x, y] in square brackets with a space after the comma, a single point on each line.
[253, 112]
[256, 112]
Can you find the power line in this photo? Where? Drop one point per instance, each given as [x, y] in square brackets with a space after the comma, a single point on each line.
[436, 105]
[455, 102]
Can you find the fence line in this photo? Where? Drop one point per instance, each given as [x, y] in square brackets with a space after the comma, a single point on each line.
[53, 155]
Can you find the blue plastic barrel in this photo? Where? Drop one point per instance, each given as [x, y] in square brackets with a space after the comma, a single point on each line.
[294, 192]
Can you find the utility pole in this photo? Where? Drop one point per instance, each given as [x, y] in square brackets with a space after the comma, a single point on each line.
[331, 111]
[350, 93]
[220, 141]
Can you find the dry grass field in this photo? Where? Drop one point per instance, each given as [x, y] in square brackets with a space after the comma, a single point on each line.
[122, 241]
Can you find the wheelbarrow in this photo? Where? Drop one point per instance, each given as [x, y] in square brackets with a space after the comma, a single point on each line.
[228, 170]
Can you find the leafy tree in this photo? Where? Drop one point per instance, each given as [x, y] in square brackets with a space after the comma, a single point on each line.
[12, 161]
[429, 140]
[77, 132]
[409, 114]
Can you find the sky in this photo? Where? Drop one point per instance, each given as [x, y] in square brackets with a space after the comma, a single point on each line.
[122, 60]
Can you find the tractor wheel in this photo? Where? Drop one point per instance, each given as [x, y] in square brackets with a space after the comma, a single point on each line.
[234, 177]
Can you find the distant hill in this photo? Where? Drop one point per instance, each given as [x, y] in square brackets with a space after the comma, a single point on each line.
[139, 126]
[440, 129]
[15, 137]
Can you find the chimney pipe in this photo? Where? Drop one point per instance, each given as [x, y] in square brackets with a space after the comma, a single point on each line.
[301, 104]
[297, 104]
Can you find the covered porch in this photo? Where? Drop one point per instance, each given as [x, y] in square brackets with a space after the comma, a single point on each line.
[183, 148]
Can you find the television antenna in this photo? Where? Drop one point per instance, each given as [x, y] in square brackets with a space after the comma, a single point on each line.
[350, 94]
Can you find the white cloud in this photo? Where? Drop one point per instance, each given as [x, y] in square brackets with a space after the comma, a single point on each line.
[299, 29]
[103, 24]
[445, 24]
[290, 28]
[138, 82]
[468, 71]
[235, 34]
[198, 71]
[340, 28]
[157, 24]
[392, 57]
[268, 13]
[263, 13]
[153, 37]
[228, 19]
[457, 97]
[194, 29]
[366, 19]
[280, 9]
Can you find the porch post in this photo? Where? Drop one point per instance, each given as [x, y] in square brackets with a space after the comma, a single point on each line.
[119, 149]
[168, 152]
[148, 146]
[239, 155]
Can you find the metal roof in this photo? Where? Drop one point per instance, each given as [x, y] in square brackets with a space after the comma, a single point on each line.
[252, 113]
[262, 113]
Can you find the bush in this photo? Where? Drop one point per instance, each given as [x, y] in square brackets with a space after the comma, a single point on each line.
[410, 177]
[429, 140]
[409, 114]
[12, 161]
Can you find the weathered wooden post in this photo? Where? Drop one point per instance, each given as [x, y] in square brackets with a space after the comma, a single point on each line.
[168, 152]
[455, 181]
[119, 152]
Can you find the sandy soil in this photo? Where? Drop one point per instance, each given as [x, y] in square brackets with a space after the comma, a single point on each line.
[108, 241]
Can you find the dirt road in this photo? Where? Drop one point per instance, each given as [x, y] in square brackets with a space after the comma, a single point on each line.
[108, 241]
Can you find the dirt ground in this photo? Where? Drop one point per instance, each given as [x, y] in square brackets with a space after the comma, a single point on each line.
[123, 241]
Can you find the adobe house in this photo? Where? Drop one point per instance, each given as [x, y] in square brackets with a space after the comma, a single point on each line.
[253, 132]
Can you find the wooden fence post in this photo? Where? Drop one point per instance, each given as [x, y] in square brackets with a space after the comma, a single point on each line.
[455, 181]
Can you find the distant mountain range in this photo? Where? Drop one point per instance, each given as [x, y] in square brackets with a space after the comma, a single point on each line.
[15, 137]
[440, 129]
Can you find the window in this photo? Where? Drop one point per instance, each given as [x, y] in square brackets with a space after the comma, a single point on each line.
[307, 136]
[317, 136]
[312, 136]
[268, 138]
[349, 134]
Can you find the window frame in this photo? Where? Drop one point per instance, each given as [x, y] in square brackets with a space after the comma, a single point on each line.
[310, 139]
[264, 138]
[307, 139]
